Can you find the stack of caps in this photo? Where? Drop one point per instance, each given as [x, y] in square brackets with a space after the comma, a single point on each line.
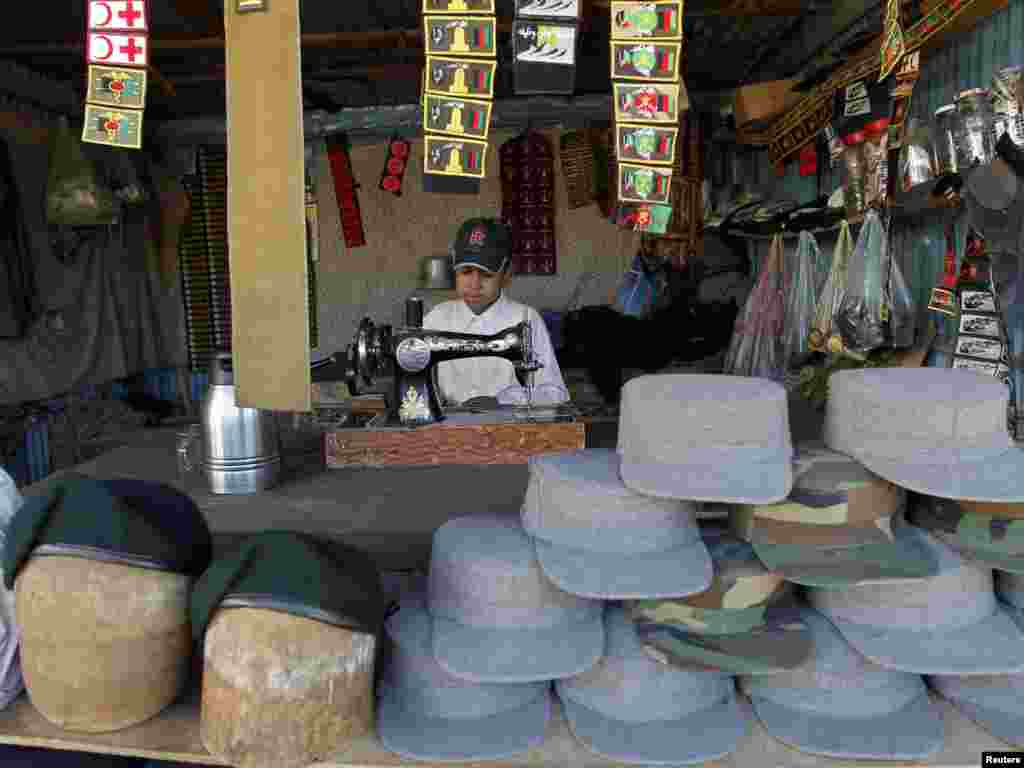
[117, 46]
[995, 702]
[646, 49]
[544, 37]
[941, 433]
[460, 37]
[426, 713]
[630, 708]
[842, 705]
[470, 678]
[528, 601]
[621, 526]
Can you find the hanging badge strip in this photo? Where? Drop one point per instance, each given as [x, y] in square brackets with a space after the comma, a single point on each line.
[117, 56]
[345, 191]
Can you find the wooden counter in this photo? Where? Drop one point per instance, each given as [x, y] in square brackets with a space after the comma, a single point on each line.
[465, 439]
[391, 512]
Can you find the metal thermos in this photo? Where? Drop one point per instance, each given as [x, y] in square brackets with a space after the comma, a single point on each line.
[414, 312]
[241, 446]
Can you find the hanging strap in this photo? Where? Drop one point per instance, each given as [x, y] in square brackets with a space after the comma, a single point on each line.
[345, 190]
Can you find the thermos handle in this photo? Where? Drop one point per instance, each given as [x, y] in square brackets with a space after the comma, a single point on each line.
[189, 445]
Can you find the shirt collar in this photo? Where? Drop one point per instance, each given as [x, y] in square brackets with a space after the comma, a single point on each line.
[491, 311]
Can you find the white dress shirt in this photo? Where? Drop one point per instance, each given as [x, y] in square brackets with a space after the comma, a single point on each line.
[460, 380]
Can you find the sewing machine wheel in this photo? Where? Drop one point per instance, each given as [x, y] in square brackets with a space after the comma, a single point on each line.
[363, 357]
[352, 370]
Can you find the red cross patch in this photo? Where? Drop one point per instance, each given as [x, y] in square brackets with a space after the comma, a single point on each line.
[477, 237]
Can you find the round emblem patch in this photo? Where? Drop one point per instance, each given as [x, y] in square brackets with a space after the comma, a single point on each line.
[413, 355]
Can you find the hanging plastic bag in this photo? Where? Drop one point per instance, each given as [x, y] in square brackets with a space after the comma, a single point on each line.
[902, 311]
[74, 195]
[755, 349]
[11, 681]
[638, 291]
[824, 336]
[801, 297]
[862, 318]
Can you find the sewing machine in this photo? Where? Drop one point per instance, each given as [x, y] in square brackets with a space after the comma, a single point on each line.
[413, 353]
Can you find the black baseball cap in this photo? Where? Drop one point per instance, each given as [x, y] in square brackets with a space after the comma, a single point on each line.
[482, 243]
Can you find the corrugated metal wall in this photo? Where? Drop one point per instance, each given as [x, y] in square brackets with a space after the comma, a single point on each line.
[968, 61]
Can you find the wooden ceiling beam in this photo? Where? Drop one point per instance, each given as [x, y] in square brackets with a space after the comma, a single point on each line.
[393, 38]
[369, 40]
[205, 14]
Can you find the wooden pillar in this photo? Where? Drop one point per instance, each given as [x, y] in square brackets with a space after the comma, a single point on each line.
[266, 207]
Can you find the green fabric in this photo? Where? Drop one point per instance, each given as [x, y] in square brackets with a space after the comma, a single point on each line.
[132, 521]
[839, 567]
[1003, 537]
[995, 542]
[293, 573]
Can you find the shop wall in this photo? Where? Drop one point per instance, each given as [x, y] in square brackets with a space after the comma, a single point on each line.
[376, 279]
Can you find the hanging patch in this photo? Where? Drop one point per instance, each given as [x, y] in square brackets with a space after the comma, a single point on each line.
[458, 6]
[453, 35]
[648, 103]
[549, 9]
[112, 127]
[631, 20]
[460, 77]
[117, 87]
[455, 116]
[646, 61]
[545, 57]
[546, 43]
[644, 184]
[394, 167]
[454, 157]
[345, 191]
[647, 143]
[648, 219]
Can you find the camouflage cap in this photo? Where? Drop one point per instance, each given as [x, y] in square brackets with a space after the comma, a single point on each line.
[835, 529]
[989, 534]
[745, 623]
[835, 502]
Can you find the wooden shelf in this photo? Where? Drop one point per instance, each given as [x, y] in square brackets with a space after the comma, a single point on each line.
[786, 235]
[919, 200]
[311, 499]
[173, 735]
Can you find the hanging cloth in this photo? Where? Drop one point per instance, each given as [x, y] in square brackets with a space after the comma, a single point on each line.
[528, 202]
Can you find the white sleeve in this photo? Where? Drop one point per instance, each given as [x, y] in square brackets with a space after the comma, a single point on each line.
[551, 373]
[435, 319]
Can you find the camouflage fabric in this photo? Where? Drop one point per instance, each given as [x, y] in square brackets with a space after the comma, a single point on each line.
[835, 502]
[781, 642]
[995, 542]
[746, 622]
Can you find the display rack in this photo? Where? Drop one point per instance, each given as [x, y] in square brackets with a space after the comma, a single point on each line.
[856, 221]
